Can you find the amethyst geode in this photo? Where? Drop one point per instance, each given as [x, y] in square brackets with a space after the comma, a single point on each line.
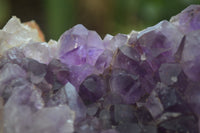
[143, 82]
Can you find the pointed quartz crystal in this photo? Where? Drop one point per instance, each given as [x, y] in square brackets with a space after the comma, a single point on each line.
[188, 19]
[15, 34]
[75, 102]
[159, 43]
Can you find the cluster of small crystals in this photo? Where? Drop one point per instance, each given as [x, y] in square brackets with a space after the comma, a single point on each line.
[144, 82]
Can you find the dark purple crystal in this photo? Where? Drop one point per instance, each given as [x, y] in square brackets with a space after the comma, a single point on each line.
[159, 43]
[57, 72]
[92, 89]
[169, 73]
[180, 124]
[126, 85]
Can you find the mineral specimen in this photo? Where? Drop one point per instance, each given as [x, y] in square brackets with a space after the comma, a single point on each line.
[1, 115]
[143, 82]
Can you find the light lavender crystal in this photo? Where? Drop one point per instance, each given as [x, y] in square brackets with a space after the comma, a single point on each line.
[117, 41]
[75, 102]
[40, 51]
[154, 105]
[24, 101]
[8, 73]
[58, 119]
[188, 19]
[15, 34]
[190, 57]
[25, 112]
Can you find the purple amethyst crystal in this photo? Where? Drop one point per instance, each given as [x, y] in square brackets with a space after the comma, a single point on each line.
[186, 123]
[1, 115]
[170, 99]
[107, 39]
[36, 75]
[104, 61]
[18, 110]
[92, 89]
[124, 113]
[192, 94]
[10, 72]
[94, 47]
[188, 19]
[55, 119]
[25, 112]
[79, 46]
[110, 131]
[79, 73]
[169, 73]
[41, 52]
[80, 49]
[126, 85]
[133, 38]
[154, 105]
[127, 58]
[117, 41]
[57, 72]
[143, 115]
[190, 56]
[72, 39]
[75, 102]
[158, 44]
[129, 128]
[57, 98]
[143, 82]
[15, 55]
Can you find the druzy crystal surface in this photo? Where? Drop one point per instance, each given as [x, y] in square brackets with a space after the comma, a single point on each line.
[144, 82]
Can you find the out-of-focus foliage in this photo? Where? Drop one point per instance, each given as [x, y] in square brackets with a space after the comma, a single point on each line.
[104, 16]
[60, 15]
[4, 11]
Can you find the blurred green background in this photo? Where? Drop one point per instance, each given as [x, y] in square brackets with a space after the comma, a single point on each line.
[103, 16]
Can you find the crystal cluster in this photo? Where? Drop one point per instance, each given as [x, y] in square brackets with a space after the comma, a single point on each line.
[143, 82]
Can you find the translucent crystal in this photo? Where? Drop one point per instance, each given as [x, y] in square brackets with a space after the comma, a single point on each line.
[117, 41]
[188, 19]
[126, 85]
[15, 34]
[92, 89]
[8, 73]
[78, 46]
[169, 73]
[58, 119]
[190, 56]
[75, 102]
[159, 43]
[40, 51]
[25, 112]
